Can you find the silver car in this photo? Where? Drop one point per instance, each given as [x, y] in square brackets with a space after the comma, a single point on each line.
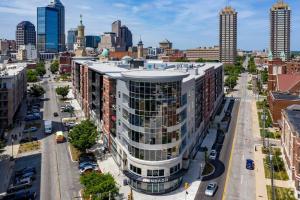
[211, 189]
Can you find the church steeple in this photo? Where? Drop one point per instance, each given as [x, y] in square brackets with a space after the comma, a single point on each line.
[80, 44]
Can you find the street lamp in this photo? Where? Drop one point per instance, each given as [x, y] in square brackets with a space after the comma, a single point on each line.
[12, 148]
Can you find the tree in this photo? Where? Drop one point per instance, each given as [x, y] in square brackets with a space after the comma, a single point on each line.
[32, 76]
[63, 91]
[264, 76]
[182, 60]
[40, 69]
[2, 145]
[37, 90]
[99, 186]
[83, 136]
[251, 65]
[54, 66]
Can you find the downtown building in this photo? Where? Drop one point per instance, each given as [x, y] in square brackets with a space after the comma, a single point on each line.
[228, 35]
[280, 22]
[153, 117]
[71, 38]
[51, 28]
[13, 87]
[25, 34]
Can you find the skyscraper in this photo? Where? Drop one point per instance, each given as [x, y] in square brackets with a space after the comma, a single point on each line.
[123, 36]
[228, 35]
[61, 23]
[280, 21]
[72, 34]
[25, 33]
[51, 27]
[92, 41]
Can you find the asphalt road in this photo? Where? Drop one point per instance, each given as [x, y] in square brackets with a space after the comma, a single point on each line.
[60, 176]
[221, 164]
[240, 180]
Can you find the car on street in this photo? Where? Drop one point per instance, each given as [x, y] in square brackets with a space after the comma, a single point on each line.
[24, 176]
[211, 189]
[213, 155]
[25, 170]
[250, 164]
[21, 195]
[88, 168]
[87, 157]
[25, 183]
[55, 114]
[83, 164]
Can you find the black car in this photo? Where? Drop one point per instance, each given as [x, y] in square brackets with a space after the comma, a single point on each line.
[22, 195]
[88, 157]
[55, 114]
[25, 170]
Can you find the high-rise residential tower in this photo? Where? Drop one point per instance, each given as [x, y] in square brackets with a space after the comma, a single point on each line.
[228, 35]
[51, 27]
[280, 22]
[25, 33]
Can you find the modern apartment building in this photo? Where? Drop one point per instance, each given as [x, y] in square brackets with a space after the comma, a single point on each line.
[152, 118]
[205, 53]
[228, 35]
[25, 34]
[280, 22]
[13, 86]
[290, 140]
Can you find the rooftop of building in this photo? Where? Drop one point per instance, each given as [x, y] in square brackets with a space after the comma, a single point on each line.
[9, 70]
[286, 82]
[280, 5]
[285, 96]
[24, 24]
[165, 41]
[154, 75]
[293, 116]
[204, 48]
[228, 10]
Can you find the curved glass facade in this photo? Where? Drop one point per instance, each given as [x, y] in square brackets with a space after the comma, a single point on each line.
[155, 107]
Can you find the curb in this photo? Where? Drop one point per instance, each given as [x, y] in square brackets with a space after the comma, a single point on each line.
[69, 150]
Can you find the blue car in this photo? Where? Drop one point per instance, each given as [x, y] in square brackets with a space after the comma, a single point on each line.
[250, 164]
[84, 164]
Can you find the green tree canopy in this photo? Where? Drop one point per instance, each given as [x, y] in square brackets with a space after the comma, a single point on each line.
[83, 136]
[63, 91]
[54, 67]
[37, 90]
[182, 60]
[40, 69]
[100, 186]
[32, 76]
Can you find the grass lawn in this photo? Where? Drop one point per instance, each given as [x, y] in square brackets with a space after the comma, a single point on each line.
[75, 153]
[278, 175]
[281, 193]
[207, 169]
[29, 146]
[268, 122]
[275, 150]
[269, 134]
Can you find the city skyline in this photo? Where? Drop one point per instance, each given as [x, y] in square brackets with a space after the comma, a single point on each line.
[185, 23]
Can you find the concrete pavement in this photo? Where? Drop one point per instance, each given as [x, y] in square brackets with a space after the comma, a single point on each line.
[240, 180]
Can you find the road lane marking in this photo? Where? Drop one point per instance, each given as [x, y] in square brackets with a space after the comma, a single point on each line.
[242, 179]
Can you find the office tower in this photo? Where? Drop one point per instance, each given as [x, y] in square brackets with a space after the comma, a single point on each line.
[51, 27]
[280, 21]
[92, 41]
[228, 35]
[61, 23]
[72, 34]
[126, 37]
[165, 44]
[123, 36]
[25, 33]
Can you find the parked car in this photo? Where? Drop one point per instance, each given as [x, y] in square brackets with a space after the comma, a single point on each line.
[25, 183]
[27, 139]
[250, 164]
[87, 169]
[87, 157]
[30, 175]
[25, 170]
[55, 114]
[211, 189]
[21, 195]
[213, 154]
[83, 164]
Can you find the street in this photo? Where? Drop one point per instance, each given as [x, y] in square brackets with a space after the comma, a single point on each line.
[60, 177]
[240, 180]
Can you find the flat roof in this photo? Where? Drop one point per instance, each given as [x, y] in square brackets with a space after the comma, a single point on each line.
[285, 96]
[107, 68]
[154, 75]
[12, 69]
